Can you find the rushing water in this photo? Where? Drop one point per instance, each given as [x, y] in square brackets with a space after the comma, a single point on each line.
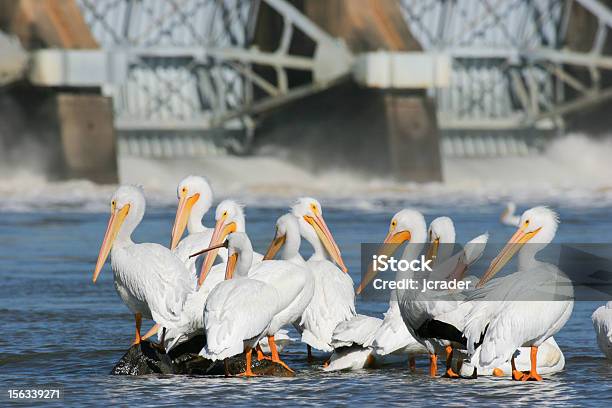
[58, 327]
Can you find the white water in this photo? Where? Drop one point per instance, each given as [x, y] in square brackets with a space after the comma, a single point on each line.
[573, 171]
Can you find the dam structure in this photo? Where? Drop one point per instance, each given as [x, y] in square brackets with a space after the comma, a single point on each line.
[408, 81]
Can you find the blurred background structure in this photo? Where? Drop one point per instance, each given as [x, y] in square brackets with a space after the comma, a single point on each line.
[385, 86]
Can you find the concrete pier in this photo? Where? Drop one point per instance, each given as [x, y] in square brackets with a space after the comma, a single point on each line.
[375, 131]
[74, 124]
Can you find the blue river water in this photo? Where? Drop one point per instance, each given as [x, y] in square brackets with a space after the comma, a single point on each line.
[58, 327]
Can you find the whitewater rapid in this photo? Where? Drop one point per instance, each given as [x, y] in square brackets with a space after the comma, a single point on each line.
[573, 170]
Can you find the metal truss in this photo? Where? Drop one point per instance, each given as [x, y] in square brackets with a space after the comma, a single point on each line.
[191, 66]
[511, 69]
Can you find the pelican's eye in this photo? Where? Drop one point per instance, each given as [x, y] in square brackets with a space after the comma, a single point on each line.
[184, 190]
[225, 213]
[313, 207]
[113, 205]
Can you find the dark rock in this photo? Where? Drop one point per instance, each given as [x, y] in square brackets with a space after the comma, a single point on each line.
[148, 358]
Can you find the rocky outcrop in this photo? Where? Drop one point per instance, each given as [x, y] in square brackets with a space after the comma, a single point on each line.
[148, 358]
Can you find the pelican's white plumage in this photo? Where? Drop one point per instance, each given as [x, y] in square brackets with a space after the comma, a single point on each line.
[195, 199]
[330, 305]
[333, 300]
[357, 331]
[292, 278]
[602, 322]
[528, 306]
[351, 341]
[230, 217]
[390, 341]
[150, 280]
[393, 337]
[294, 285]
[238, 311]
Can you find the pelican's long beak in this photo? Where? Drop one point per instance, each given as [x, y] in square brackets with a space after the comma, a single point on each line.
[325, 235]
[392, 241]
[221, 231]
[432, 251]
[517, 240]
[182, 216]
[275, 246]
[114, 224]
[231, 266]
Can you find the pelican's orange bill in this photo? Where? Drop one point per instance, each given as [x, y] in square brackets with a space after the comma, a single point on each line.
[389, 246]
[114, 225]
[326, 237]
[182, 216]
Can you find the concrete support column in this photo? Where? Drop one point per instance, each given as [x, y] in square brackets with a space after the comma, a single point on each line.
[87, 136]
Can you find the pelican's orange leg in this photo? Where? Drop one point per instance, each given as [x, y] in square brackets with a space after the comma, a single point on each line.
[516, 374]
[533, 373]
[260, 354]
[275, 356]
[137, 338]
[248, 357]
[433, 365]
[449, 363]
[498, 372]
[412, 364]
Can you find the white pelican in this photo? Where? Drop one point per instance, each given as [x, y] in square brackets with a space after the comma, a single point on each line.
[292, 279]
[496, 329]
[393, 337]
[195, 199]
[230, 218]
[150, 280]
[287, 239]
[508, 216]
[441, 236]
[602, 322]
[239, 311]
[334, 298]
[441, 242]
[417, 310]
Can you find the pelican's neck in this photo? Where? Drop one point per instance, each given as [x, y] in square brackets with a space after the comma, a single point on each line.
[416, 244]
[243, 265]
[240, 224]
[527, 256]
[194, 225]
[124, 236]
[319, 252]
[291, 248]
[412, 251]
[194, 222]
